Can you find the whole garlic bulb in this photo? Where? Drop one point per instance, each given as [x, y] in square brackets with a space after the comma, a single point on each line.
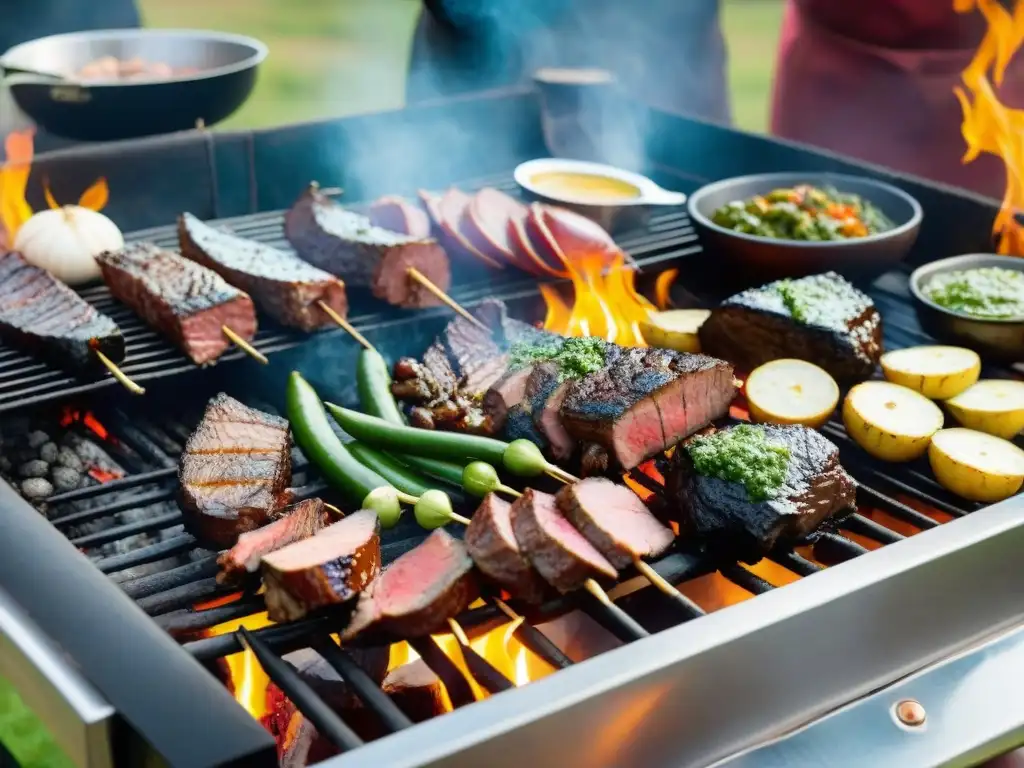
[64, 241]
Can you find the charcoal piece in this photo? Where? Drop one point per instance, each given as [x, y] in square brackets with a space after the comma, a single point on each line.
[34, 468]
[66, 457]
[48, 452]
[36, 488]
[36, 438]
[65, 478]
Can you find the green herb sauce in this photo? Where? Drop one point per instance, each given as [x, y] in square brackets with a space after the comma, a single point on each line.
[576, 357]
[742, 455]
[823, 300]
[987, 292]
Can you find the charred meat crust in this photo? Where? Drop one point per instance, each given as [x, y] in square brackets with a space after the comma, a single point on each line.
[329, 568]
[297, 522]
[283, 285]
[492, 545]
[557, 550]
[755, 327]
[347, 244]
[720, 512]
[183, 300]
[234, 472]
[614, 519]
[42, 316]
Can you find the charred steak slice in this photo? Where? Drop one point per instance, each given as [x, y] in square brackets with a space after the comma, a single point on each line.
[186, 302]
[822, 319]
[646, 400]
[283, 285]
[614, 519]
[329, 568]
[297, 522]
[505, 394]
[420, 591]
[815, 488]
[492, 545]
[347, 244]
[524, 418]
[557, 550]
[42, 316]
[234, 472]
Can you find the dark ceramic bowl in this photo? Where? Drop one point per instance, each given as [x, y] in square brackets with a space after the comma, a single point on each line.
[105, 110]
[998, 339]
[759, 259]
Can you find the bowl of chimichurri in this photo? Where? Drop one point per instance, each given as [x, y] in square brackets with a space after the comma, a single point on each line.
[776, 225]
[976, 300]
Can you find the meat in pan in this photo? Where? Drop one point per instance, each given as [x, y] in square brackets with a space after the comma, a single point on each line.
[42, 316]
[283, 285]
[186, 302]
[234, 472]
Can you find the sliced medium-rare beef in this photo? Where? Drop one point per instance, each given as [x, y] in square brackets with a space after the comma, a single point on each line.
[557, 550]
[329, 568]
[297, 522]
[183, 300]
[399, 215]
[490, 212]
[614, 519]
[234, 472]
[524, 418]
[420, 591]
[645, 400]
[492, 545]
[42, 316]
[822, 319]
[347, 244]
[454, 208]
[549, 421]
[283, 285]
[505, 394]
[479, 359]
[815, 487]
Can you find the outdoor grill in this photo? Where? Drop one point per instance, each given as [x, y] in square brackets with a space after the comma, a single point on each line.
[107, 597]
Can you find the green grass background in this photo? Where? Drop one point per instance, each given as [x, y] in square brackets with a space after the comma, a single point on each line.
[336, 57]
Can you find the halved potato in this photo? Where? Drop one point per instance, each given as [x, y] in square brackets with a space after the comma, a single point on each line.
[937, 372]
[995, 406]
[791, 392]
[675, 329]
[890, 422]
[975, 465]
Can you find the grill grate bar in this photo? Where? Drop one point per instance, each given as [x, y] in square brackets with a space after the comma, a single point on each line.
[898, 509]
[121, 484]
[832, 549]
[131, 529]
[302, 696]
[741, 577]
[484, 672]
[459, 691]
[795, 563]
[151, 553]
[185, 595]
[120, 505]
[863, 526]
[144, 586]
[186, 622]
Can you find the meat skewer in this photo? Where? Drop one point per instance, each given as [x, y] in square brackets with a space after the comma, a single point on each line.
[40, 314]
[192, 305]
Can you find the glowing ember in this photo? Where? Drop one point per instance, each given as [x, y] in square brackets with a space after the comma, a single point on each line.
[663, 288]
[14, 208]
[103, 475]
[88, 420]
[605, 304]
[989, 126]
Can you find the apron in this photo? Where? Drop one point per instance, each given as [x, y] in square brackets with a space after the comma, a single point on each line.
[868, 94]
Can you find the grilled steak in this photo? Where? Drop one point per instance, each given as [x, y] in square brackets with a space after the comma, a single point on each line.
[329, 568]
[614, 520]
[234, 472]
[297, 522]
[816, 487]
[524, 419]
[285, 287]
[186, 302]
[505, 394]
[834, 326]
[549, 422]
[420, 591]
[557, 550]
[646, 400]
[492, 545]
[346, 244]
[41, 315]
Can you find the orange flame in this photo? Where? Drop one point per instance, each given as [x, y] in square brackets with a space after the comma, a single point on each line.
[989, 126]
[606, 303]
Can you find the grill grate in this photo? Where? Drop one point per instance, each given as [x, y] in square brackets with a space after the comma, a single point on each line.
[26, 381]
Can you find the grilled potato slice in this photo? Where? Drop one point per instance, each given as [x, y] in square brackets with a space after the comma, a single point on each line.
[975, 465]
[791, 392]
[937, 372]
[890, 422]
[995, 406]
[675, 329]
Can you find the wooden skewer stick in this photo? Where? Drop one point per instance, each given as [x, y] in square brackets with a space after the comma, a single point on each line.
[654, 577]
[334, 509]
[423, 280]
[342, 322]
[244, 345]
[118, 374]
[560, 474]
[598, 591]
[459, 518]
[458, 631]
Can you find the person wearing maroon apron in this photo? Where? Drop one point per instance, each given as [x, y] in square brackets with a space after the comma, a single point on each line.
[874, 79]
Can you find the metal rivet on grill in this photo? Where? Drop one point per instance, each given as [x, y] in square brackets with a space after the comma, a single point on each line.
[910, 713]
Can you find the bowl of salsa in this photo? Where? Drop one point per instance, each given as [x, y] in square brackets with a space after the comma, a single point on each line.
[774, 225]
[976, 300]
